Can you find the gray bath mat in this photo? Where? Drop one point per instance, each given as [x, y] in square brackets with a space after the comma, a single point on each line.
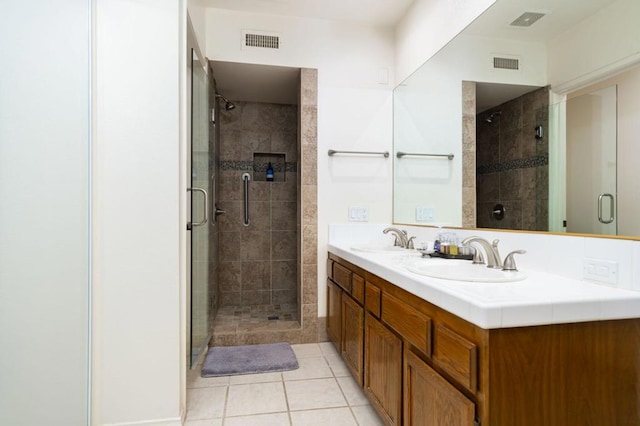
[249, 359]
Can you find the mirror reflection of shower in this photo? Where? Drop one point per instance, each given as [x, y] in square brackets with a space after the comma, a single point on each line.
[228, 105]
[511, 161]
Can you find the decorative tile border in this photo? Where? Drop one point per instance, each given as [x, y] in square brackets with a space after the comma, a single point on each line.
[248, 166]
[519, 163]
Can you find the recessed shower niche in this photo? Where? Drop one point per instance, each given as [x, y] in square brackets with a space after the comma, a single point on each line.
[278, 163]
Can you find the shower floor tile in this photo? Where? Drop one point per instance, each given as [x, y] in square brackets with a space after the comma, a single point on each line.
[242, 319]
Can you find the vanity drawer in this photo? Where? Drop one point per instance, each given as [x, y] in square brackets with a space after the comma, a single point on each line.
[372, 299]
[412, 324]
[342, 276]
[457, 356]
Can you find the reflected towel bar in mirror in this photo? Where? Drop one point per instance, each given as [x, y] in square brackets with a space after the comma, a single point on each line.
[333, 152]
[401, 154]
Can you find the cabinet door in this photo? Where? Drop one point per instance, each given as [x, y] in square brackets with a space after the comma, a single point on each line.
[334, 317]
[429, 400]
[353, 336]
[383, 370]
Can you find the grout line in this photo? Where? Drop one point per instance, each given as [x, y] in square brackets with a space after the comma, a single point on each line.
[286, 399]
[354, 415]
[226, 402]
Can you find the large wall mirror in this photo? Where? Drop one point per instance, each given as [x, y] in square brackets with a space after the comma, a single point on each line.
[528, 120]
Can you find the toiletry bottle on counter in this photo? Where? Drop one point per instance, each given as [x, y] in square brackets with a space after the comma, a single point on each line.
[437, 244]
[269, 172]
[452, 243]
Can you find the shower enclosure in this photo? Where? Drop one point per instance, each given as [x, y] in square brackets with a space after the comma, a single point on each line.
[266, 163]
[202, 219]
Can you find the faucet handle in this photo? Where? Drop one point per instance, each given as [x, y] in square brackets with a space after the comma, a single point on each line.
[410, 245]
[509, 262]
[478, 258]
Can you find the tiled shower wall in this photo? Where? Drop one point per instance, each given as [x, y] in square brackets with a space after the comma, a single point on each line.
[312, 328]
[257, 263]
[512, 165]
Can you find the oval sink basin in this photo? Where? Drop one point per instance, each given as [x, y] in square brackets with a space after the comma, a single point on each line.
[380, 248]
[458, 271]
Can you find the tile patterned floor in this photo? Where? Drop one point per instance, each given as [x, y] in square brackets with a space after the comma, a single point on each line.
[320, 392]
[233, 319]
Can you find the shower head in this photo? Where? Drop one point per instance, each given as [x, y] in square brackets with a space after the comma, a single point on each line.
[492, 117]
[228, 105]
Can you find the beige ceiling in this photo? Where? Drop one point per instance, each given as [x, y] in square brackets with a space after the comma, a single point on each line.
[560, 15]
[256, 83]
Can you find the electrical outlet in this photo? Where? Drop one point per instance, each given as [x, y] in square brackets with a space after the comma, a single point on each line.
[425, 214]
[604, 271]
[358, 214]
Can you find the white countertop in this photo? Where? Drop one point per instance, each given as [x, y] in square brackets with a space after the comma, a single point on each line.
[541, 298]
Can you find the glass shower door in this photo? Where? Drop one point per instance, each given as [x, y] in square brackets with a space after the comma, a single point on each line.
[199, 225]
[592, 162]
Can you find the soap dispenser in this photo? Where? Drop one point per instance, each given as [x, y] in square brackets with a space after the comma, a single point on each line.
[269, 172]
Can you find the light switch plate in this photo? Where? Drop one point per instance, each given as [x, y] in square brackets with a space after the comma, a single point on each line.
[358, 214]
[424, 214]
[605, 271]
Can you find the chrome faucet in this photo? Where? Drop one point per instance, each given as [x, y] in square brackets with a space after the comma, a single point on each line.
[490, 249]
[401, 237]
[493, 255]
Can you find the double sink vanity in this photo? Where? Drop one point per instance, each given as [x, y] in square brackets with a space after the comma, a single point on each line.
[447, 342]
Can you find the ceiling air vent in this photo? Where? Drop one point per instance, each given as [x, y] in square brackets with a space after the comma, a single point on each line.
[260, 40]
[506, 63]
[527, 19]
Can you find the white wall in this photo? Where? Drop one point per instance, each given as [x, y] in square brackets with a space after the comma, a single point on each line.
[354, 106]
[429, 25]
[138, 211]
[44, 212]
[603, 42]
[198, 16]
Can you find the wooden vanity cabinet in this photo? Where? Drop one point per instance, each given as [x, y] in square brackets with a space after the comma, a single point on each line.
[424, 366]
[432, 355]
[345, 313]
[352, 343]
[384, 334]
[430, 400]
[383, 370]
[334, 314]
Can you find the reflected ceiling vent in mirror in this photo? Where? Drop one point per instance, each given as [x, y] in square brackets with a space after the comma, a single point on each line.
[260, 40]
[502, 62]
[527, 19]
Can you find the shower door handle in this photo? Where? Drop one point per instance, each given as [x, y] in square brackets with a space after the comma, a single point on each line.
[190, 224]
[611, 208]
